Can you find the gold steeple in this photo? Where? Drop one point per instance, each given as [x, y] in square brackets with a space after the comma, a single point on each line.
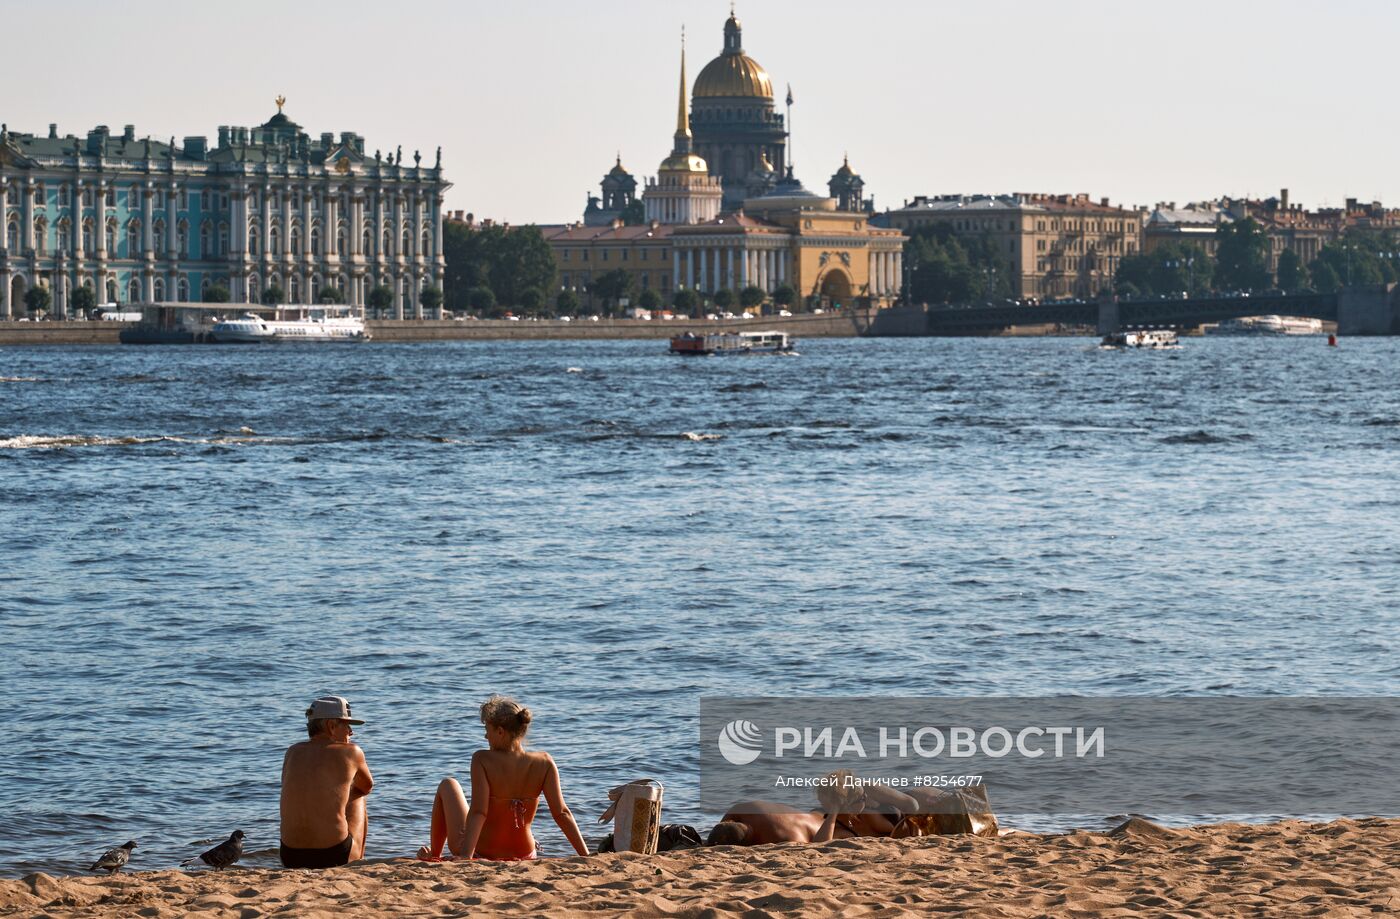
[682, 122]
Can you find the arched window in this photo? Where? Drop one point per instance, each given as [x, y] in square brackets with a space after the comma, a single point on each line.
[63, 234]
[293, 290]
[340, 240]
[272, 239]
[407, 241]
[182, 288]
[160, 290]
[253, 241]
[296, 241]
[253, 291]
[41, 235]
[316, 241]
[204, 240]
[384, 244]
[158, 240]
[315, 287]
[133, 197]
[112, 237]
[133, 238]
[12, 236]
[182, 239]
[425, 242]
[223, 239]
[133, 291]
[365, 241]
[87, 235]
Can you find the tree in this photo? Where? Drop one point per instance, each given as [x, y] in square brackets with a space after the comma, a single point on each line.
[380, 298]
[785, 295]
[273, 295]
[1324, 277]
[431, 298]
[531, 299]
[724, 298]
[947, 268]
[684, 300]
[1292, 275]
[84, 300]
[1170, 268]
[329, 294]
[566, 303]
[612, 286]
[216, 293]
[510, 261]
[751, 296]
[37, 299]
[1242, 256]
[648, 299]
[481, 299]
[634, 214]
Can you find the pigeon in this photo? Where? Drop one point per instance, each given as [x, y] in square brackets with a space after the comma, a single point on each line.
[114, 859]
[222, 855]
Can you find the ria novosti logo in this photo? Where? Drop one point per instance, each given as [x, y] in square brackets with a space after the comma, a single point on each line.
[740, 742]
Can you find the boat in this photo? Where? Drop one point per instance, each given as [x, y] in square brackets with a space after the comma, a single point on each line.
[1154, 339]
[732, 343]
[168, 323]
[292, 323]
[1267, 325]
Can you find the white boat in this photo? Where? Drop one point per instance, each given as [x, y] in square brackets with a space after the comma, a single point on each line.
[293, 323]
[731, 343]
[1154, 339]
[1268, 325]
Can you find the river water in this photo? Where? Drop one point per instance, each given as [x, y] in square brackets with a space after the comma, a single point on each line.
[194, 542]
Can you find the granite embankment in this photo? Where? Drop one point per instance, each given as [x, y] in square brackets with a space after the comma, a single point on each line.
[826, 325]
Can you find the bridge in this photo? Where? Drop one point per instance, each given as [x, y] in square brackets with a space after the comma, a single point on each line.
[1356, 310]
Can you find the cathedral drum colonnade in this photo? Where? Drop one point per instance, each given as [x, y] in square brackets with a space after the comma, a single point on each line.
[146, 221]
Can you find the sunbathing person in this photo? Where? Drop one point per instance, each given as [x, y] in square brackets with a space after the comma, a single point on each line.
[324, 783]
[506, 785]
[869, 811]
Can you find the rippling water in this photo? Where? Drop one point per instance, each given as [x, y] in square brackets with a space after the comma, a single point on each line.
[194, 542]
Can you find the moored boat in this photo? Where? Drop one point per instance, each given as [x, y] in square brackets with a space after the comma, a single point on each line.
[290, 324]
[1267, 325]
[732, 343]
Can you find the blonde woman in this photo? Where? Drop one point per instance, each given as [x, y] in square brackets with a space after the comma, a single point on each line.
[507, 781]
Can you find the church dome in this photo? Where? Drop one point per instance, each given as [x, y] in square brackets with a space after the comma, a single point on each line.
[733, 73]
[684, 162]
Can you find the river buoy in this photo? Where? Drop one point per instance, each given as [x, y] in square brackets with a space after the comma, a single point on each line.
[1332, 339]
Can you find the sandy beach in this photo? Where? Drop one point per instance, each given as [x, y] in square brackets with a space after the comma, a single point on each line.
[1344, 868]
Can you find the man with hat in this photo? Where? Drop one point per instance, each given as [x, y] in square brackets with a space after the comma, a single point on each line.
[324, 783]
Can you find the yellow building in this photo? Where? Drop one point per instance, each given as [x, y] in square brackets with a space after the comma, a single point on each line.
[780, 235]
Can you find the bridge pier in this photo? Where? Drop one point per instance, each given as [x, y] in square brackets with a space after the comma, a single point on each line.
[1368, 310]
[1109, 321]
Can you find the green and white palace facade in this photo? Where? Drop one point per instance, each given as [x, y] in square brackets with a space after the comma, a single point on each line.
[147, 221]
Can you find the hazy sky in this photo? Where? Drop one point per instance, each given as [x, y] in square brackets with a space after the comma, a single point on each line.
[1137, 101]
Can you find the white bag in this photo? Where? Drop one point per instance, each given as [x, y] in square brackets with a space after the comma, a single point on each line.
[636, 815]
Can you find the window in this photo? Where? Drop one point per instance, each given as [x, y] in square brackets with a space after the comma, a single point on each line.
[567, 253]
[253, 241]
[184, 199]
[111, 197]
[605, 255]
[41, 235]
[624, 255]
[160, 290]
[133, 198]
[87, 235]
[133, 291]
[87, 197]
[204, 200]
[204, 241]
[426, 242]
[182, 288]
[133, 239]
[63, 191]
[65, 227]
[315, 241]
[273, 238]
[223, 239]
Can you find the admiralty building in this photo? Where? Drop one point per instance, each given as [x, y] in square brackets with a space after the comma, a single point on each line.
[141, 220]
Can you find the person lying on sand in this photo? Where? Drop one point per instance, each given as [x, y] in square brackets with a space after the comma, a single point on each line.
[507, 782]
[865, 811]
[324, 783]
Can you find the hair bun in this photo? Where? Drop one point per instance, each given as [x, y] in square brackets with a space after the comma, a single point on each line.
[523, 716]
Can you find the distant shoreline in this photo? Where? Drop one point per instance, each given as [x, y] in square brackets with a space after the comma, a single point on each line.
[844, 324]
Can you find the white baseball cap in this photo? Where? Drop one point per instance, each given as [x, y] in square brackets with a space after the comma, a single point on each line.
[331, 707]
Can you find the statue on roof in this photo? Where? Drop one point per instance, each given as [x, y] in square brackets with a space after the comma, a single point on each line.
[281, 101]
[437, 164]
[417, 158]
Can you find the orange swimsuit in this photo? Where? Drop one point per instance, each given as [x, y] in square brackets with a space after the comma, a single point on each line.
[506, 834]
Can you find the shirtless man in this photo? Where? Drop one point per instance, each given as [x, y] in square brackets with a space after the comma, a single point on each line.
[324, 783]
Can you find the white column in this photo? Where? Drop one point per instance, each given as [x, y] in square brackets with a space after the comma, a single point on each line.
[719, 269]
[77, 218]
[899, 272]
[286, 240]
[306, 256]
[437, 227]
[172, 213]
[99, 228]
[889, 273]
[27, 226]
[5, 281]
[4, 218]
[332, 199]
[357, 222]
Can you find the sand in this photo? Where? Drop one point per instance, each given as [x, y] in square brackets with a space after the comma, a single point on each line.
[1345, 868]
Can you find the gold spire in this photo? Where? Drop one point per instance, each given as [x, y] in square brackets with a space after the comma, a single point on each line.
[682, 122]
[281, 101]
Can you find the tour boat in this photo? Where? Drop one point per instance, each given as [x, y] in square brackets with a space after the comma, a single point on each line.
[1155, 339]
[731, 343]
[311, 324]
[1268, 325]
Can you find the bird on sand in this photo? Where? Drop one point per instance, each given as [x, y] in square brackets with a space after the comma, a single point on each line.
[113, 859]
[222, 855]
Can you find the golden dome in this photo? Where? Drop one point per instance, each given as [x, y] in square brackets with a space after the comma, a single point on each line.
[733, 75]
[684, 162]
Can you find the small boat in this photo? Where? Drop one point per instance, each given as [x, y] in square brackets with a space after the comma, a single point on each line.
[1154, 339]
[732, 343]
[309, 324]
